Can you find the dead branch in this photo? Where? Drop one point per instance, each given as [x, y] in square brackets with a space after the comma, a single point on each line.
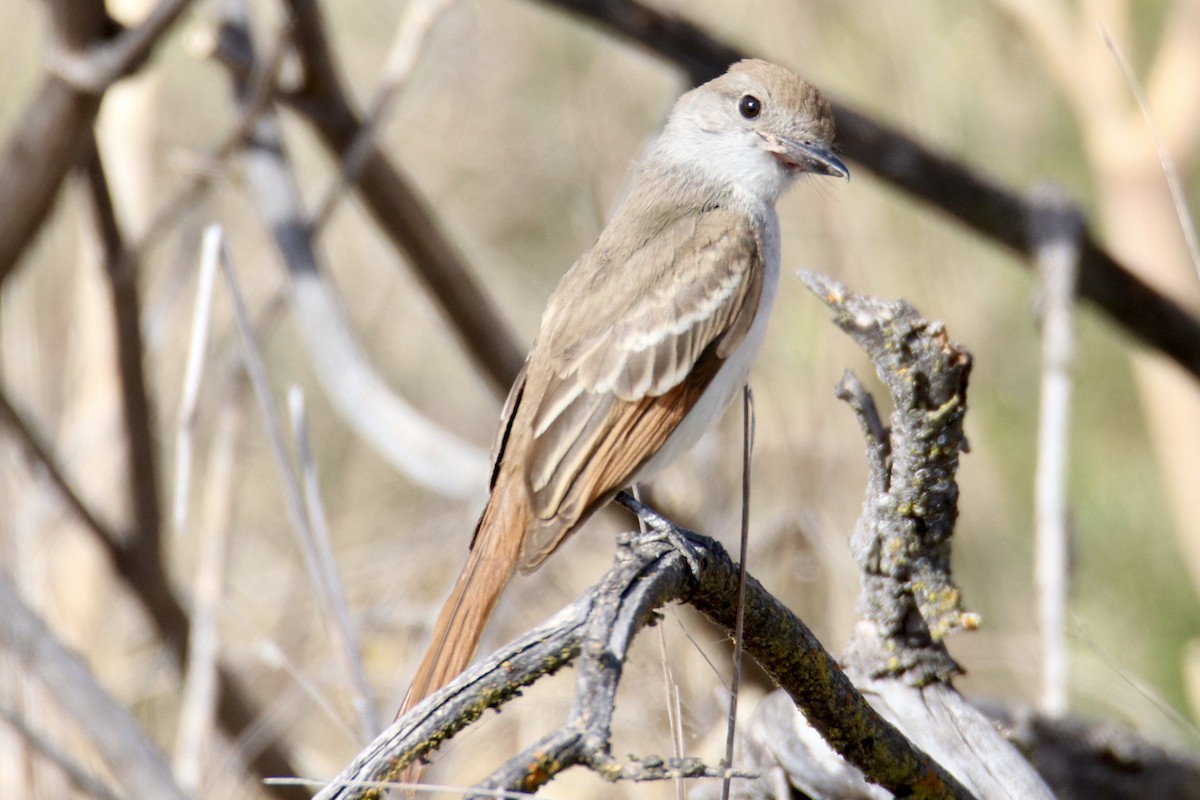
[76, 773]
[1055, 233]
[120, 267]
[601, 623]
[56, 130]
[102, 63]
[52, 134]
[1098, 760]
[909, 601]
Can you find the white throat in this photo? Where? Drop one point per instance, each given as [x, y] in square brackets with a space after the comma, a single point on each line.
[734, 161]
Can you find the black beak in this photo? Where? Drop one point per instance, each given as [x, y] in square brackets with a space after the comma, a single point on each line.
[808, 157]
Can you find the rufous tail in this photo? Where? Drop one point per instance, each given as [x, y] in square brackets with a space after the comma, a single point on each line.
[490, 565]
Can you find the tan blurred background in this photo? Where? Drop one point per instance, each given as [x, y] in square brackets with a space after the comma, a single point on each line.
[520, 123]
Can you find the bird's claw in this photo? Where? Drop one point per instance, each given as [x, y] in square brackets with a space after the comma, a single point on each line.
[659, 529]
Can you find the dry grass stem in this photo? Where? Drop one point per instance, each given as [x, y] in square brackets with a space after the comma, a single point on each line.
[327, 586]
[1056, 230]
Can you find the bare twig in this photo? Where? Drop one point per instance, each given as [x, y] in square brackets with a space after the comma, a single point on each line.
[293, 502]
[201, 678]
[1055, 228]
[198, 704]
[40, 454]
[671, 698]
[543, 650]
[277, 659]
[401, 212]
[908, 603]
[317, 560]
[120, 267]
[1173, 81]
[53, 133]
[261, 85]
[606, 618]
[237, 711]
[56, 129]
[615, 614]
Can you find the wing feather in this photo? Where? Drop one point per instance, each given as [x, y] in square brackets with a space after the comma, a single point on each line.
[612, 390]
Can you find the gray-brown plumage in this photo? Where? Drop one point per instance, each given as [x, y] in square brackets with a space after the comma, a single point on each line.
[646, 338]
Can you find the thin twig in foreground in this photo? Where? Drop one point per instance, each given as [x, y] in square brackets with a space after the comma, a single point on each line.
[743, 555]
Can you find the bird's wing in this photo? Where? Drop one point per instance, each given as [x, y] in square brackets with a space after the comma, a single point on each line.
[614, 387]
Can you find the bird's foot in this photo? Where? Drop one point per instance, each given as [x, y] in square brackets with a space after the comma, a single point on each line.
[659, 529]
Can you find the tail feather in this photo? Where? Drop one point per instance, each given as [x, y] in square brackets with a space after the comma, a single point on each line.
[459, 627]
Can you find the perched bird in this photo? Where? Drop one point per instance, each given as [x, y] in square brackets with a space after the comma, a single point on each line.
[646, 338]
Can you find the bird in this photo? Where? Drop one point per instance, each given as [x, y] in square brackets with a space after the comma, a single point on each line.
[646, 338]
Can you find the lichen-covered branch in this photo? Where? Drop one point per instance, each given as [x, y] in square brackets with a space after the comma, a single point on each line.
[909, 602]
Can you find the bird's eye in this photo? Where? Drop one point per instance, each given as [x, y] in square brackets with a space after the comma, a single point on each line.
[749, 106]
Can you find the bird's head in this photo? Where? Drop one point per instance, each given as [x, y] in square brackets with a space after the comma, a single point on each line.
[753, 129]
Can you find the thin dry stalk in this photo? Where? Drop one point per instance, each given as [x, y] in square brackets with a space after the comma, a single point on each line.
[210, 253]
[198, 710]
[1055, 232]
[743, 553]
[261, 85]
[671, 695]
[326, 583]
[1170, 172]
